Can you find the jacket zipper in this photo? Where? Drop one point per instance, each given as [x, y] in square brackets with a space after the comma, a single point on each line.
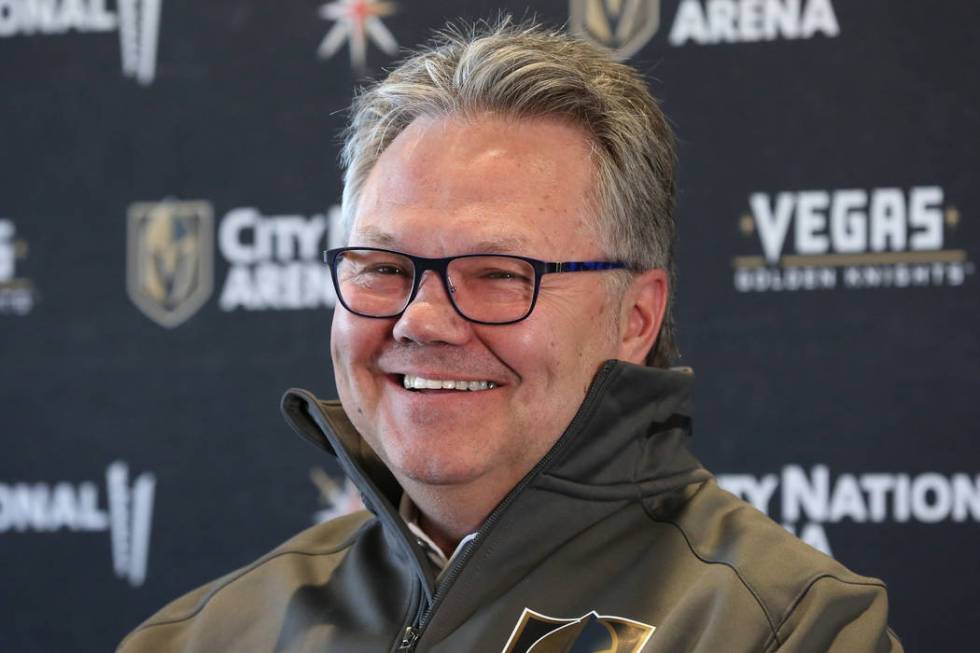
[409, 638]
[414, 631]
[389, 520]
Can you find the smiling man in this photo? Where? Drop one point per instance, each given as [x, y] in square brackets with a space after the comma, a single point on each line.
[505, 406]
[477, 184]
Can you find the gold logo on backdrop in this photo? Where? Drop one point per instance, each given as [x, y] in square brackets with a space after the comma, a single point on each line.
[591, 633]
[622, 26]
[170, 259]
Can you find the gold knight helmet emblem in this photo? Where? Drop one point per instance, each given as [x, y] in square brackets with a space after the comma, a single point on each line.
[622, 26]
[591, 633]
[170, 259]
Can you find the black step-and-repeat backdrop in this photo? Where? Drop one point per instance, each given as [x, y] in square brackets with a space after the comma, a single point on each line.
[169, 174]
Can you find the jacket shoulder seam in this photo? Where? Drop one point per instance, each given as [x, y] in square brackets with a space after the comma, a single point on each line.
[204, 601]
[795, 603]
[738, 574]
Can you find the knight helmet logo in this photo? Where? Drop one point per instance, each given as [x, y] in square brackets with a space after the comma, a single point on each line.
[591, 633]
[170, 259]
[622, 26]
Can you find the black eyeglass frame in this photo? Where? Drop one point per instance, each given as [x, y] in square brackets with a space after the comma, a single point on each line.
[441, 267]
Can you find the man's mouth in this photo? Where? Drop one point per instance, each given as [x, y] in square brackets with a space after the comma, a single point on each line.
[412, 382]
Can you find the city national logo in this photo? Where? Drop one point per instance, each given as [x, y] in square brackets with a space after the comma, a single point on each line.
[138, 22]
[591, 633]
[356, 22]
[17, 295]
[850, 239]
[274, 261]
[625, 26]
[622, 26]
[803, 501]
[170, 259]
[49, 508]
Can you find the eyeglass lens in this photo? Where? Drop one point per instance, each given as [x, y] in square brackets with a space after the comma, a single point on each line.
[484, 288]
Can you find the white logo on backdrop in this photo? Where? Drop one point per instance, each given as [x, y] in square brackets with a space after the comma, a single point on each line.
[130, 517]
[16, 294]
[851, 238]
[745, 21]
[275, 261]
[138, 22]
[625, 26]
[807, 501]
[48, 508]
[356, 22]
[139, 30]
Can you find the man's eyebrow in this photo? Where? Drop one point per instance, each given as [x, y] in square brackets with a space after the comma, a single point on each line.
[371, 235]
[501, 245]
[375, 236]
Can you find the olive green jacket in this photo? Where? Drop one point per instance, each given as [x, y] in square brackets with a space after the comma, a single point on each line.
[618, 540]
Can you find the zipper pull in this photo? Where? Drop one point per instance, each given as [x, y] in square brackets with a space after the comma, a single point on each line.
[408, 639]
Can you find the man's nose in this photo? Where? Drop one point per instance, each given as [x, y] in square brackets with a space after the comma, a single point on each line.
[431, 317]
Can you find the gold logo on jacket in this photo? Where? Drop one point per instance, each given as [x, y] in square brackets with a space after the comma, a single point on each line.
[591, 633]
[622, 26]
[170, 259]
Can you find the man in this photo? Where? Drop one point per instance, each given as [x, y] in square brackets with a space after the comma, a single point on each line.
[509, 198]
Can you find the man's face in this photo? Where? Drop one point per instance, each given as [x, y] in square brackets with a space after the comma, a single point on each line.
[452, 186]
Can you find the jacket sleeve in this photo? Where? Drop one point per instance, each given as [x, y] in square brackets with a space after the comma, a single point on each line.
[837, 616]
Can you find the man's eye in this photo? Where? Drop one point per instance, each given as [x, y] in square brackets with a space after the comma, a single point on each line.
[503, 275]
[383, 269]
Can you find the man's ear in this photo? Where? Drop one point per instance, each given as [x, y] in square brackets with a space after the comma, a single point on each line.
[644, 304]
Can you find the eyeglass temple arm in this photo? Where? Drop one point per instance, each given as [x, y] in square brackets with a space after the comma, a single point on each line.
[583, 266]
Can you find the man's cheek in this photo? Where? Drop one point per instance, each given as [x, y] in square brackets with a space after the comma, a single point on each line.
[519, 347]
[350, 345]
[337, 337]
[334, 353]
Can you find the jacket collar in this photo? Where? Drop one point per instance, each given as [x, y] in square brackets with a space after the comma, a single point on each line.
[627, 441]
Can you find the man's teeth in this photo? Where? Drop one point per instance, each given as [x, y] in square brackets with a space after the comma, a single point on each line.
[412, 382]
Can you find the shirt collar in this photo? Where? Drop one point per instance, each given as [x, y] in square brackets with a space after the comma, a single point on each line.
[410, 513]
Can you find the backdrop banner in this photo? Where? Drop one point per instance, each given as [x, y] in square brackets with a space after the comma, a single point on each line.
[169, 177]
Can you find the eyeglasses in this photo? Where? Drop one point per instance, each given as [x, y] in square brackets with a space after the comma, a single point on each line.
[483, 288]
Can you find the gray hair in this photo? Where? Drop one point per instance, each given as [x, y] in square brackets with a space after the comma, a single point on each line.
[525, 70]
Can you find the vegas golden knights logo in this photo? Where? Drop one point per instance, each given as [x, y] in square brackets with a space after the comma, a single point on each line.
[622, 26]
[170, 259]
[592, 633]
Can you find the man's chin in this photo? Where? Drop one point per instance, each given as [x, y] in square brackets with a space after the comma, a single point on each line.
[440, 453]
[439, 473]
